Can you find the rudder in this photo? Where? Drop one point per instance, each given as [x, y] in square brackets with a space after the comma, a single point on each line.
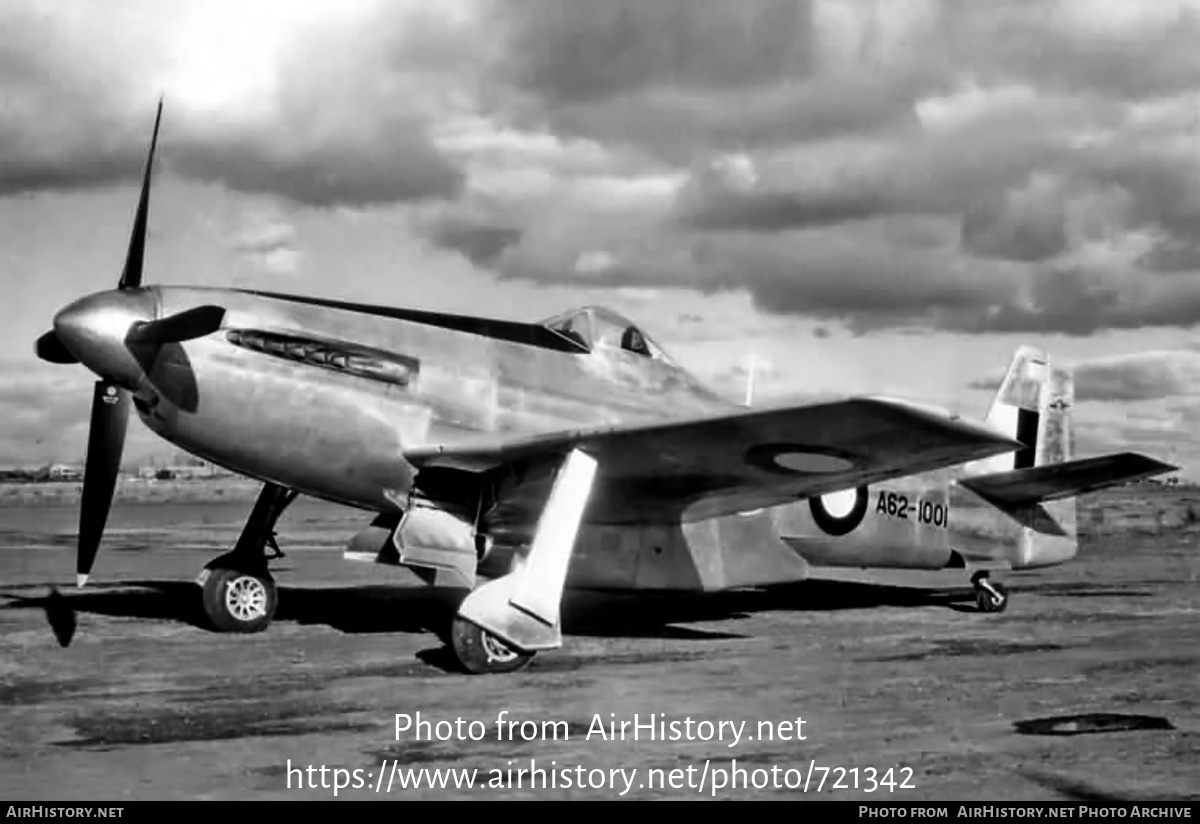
[1052, 536]
[1056, 431]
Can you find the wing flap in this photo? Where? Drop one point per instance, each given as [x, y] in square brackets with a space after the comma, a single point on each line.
[1024, 487]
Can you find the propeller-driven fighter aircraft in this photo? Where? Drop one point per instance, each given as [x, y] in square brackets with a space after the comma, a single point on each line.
[509, 459]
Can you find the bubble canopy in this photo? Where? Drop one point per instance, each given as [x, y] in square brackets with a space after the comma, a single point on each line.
[595, 328]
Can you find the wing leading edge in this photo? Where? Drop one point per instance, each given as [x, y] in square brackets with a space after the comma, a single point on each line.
[747, 459]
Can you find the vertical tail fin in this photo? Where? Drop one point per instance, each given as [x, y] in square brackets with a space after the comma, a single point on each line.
[1033, 405]
[1016, 409]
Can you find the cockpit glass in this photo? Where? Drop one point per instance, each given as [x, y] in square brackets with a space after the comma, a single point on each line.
[576, 327]
[597, 329]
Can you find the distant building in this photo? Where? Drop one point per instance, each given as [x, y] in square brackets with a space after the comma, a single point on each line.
[65, 472]
[181, 466]
[193, 467]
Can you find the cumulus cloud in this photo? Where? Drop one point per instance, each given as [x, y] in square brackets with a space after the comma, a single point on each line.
[1133, 377]
[331, 110]
[45, 414]
[1170, 256]
[1141, 376]
[479, 230]
[673, 75]
[267, 240]
[1025, 225]
[984, 192]
[982, 167]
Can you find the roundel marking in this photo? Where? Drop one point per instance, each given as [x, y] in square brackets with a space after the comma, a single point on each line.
[838, 513]
[839, 505]
[795, 459]
[811, 462]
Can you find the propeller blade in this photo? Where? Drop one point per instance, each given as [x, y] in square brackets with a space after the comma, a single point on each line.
[189, 325]
[106, 442]
[131, 277]
[50, 349]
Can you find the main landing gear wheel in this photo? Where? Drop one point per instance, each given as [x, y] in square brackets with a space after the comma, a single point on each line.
[239, 601]
[480, 653]
[237, 592]
[989, 597]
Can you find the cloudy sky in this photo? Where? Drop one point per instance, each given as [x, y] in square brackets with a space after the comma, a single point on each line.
[856, 195]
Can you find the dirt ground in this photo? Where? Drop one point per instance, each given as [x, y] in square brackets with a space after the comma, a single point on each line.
[890, 672]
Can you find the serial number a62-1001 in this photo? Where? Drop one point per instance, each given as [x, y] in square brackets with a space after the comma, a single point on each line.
[896, 505]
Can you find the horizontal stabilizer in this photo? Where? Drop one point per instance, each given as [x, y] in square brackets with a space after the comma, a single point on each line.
[1023, 487]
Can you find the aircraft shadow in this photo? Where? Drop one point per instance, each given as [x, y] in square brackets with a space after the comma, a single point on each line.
[386, 609]
[620, 614]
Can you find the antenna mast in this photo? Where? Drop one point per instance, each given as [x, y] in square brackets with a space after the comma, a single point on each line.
[750, 368]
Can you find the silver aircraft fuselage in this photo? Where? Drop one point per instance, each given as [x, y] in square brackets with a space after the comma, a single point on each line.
[337, 400]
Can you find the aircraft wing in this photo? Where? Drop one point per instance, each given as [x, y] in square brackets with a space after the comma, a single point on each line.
[1023, 487]
[747, 459]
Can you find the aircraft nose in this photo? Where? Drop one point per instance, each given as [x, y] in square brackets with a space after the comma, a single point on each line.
[93, 329]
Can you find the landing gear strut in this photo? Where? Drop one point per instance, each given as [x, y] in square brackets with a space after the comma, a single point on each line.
[989, 597]
[238, 593]
[504, 622]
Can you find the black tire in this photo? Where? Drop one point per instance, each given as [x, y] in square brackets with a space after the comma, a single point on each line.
[481, 653]
[988, 602]
[241, 602]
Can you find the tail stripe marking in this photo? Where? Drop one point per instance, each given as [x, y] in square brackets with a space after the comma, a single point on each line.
[1027, 433]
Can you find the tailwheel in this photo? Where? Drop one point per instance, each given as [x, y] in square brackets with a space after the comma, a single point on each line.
[238, 601]
[480, 653]
[989, 597]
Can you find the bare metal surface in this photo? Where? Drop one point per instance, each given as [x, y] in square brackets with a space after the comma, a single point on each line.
[387, 409]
